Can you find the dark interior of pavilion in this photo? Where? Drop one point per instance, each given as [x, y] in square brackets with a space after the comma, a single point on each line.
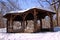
[31, 17]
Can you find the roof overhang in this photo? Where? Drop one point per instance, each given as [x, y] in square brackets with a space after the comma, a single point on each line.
[27, 10]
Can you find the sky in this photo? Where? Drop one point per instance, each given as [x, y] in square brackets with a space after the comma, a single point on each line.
[24, 4]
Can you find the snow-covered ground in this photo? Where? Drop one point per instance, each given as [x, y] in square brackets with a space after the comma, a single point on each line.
[30, 36]
[2, 30]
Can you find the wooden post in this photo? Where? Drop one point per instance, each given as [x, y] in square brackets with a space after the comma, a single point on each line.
[23, 26]
[35, 20]
[10, 24]
[40, 24]
[21, 23]
[7, 25]
[26, 23]
[51, 22]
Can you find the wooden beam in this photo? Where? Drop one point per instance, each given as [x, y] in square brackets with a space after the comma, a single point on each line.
[51, 21]
[21, 23]
[35, 20]
[26, 23]
[40, 24]
[7, 25]
[11, 21]
[10, 25]
[23, 26]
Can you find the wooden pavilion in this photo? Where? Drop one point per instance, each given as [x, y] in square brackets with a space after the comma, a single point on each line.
[33, 14]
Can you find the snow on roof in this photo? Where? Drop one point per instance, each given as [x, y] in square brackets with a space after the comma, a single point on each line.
[21, 11]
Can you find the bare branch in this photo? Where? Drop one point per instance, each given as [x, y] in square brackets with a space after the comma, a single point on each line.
[48, 2]
[54, 3]
[13, 5]
[40, 4]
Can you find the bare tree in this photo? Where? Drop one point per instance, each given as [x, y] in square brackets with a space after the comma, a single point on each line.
[56, 8]
[55, 4]
[13, 4]
[9, 6]
[6, 7]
